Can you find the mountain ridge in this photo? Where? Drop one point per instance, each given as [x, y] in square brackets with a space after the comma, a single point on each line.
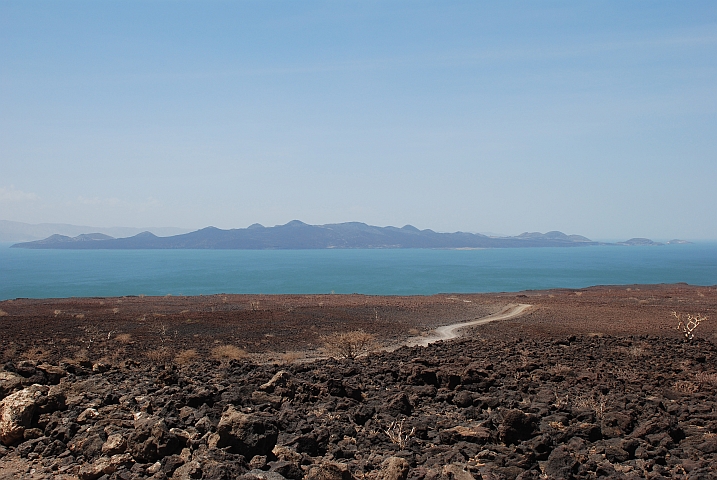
[299, 235]
[26, 232]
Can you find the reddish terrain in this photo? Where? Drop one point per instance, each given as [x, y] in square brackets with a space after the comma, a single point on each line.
[590, 383]
[271, 325]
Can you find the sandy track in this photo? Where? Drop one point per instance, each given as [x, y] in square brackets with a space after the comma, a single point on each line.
[448, 332]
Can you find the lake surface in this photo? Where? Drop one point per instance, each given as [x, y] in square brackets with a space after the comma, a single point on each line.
[91, 273]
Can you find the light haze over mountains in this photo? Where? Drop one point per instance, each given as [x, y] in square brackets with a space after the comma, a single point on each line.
[297, 235]
[25, 232]
[589, 117]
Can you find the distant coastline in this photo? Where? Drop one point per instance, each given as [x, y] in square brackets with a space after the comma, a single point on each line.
[297, 235]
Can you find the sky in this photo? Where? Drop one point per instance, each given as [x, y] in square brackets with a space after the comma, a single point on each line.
[592, 118]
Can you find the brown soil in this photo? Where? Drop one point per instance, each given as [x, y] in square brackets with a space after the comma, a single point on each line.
[272, 327]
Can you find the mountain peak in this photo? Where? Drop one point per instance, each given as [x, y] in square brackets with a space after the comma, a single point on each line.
[296, 223]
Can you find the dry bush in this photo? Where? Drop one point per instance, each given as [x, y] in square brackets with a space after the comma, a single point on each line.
[686, 387]
[115, 310]
[397, 435]
[160, 355]
[638, 352]
[589, 402]
[123, 337]
[626, 375]
[706, 379]
[349, 344]
[114, 359]
[290, 357]
[186, 357]
[225, 353]
[559, 369]
[3, 313]
[687, 323]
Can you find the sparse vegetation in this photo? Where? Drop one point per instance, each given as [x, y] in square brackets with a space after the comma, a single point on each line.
[686, 387]
[706, 379]
[688, 323]
[3, 313]
[162, 354]
[397, 435]
[597, 404]
[186, 357]
[349, 344]
[225, 353]
[290, 357]
[123, 337]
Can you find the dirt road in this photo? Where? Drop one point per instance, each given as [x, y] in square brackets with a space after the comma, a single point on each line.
[448, 332]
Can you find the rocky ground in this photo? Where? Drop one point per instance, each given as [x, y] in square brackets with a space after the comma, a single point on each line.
[588, 384]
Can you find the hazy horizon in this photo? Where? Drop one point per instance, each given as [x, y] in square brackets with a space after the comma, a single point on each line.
[591, 119]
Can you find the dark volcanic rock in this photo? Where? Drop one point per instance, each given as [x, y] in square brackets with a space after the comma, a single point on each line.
[516, 426]
[247, 434]
[575, 408]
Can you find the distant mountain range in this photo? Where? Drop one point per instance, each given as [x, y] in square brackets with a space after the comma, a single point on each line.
[299, 235]
[25, 232]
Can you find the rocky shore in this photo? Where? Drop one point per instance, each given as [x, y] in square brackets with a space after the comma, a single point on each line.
[494, 404]
[580, 407]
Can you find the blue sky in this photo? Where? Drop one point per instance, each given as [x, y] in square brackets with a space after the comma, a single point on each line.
[597, 118]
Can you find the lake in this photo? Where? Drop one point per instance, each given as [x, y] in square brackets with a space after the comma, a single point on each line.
[92, 273]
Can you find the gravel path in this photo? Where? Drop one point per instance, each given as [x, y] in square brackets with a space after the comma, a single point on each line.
[448, 332]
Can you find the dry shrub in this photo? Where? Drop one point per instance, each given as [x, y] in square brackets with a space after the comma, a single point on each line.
[638, 352]
[349, 344]
[115, 310]
[113, 359]
[626, 374]
[3, 313]
[80, 316]
[398, 435]
[57, 312]
[597, 404]
[123, 337]
[225, 353]
[186, 357]
[688, 323]
[159, 355]
[706, 379]
[290, 357]
[559, 369]
[686, 387]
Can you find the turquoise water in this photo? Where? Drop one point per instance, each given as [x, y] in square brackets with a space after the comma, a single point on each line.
[86, 273]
